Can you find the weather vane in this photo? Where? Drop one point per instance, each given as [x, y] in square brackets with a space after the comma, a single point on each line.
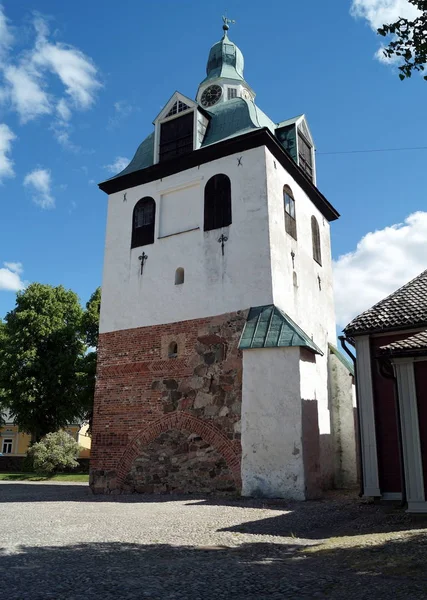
[227, 22]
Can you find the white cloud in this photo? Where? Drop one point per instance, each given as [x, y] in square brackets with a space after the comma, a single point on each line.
[381, 12]
[121, 110]
[383, 261]
[63, 110]
[10, 277]
[76, 71]
[16, 267]
[118, 165]
[6, 37]
[39, 180]
[6, 164]
[26, 94]
[29, 88]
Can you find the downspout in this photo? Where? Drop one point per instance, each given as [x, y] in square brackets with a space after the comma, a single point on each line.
[343, 341]
[388, 375]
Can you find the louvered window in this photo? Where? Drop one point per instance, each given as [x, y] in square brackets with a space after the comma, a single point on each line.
[176, 137]
[144, 217]
[231, 93]
[217, 202]
[315, 235]
[290, 219]
[305, 155]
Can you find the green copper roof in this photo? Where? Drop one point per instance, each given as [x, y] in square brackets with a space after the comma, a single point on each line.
[225, 60]
[234, 117]
[269, 327]
[347, 363]
[227, 120]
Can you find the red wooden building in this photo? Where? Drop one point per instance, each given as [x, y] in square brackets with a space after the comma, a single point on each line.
[391, 347]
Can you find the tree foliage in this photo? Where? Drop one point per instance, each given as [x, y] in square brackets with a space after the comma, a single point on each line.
[409, 41]
[46, 375]
[55, 452]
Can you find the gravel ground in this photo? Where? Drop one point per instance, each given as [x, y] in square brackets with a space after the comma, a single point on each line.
[59, 542]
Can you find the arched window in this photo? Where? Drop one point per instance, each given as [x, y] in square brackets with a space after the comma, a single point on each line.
[217, 202]
[144, 216]
[290, 219]
[179, 276]
[315, 236]
[173, 350]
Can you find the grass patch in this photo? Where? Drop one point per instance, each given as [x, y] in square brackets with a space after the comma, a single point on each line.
[82, 477]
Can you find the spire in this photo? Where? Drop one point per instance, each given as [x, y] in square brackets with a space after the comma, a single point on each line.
[225, 58]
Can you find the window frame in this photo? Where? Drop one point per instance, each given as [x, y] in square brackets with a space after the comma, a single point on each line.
[176, 151]
[9, 442]
[290, 220]
[232, 92]
[217, 212]
[143, 235]
[316, 241]
[306, 166]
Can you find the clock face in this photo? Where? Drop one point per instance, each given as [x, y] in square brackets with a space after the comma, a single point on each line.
[211, 95]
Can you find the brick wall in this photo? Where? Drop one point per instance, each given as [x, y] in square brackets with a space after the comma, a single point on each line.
[142, 393]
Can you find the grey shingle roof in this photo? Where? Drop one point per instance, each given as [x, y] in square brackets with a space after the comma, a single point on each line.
[407, 307]
[414, 344]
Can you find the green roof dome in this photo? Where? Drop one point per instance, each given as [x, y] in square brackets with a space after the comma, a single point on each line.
[225, 60]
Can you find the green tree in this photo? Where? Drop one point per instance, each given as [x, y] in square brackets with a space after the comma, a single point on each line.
[55, 452]
[408, 41]
[90, 331]
[42, 353]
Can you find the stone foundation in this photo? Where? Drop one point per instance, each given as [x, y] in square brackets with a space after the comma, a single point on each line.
[169, 423]
[179, 463]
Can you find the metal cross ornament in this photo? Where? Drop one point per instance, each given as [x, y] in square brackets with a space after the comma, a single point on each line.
[142, 258]
[222, 241]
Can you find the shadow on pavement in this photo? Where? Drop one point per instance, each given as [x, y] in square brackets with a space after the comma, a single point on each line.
[158, 572]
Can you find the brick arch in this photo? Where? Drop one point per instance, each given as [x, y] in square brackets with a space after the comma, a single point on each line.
[181, 421]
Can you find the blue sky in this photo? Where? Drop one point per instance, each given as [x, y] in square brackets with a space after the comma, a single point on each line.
[81, 82]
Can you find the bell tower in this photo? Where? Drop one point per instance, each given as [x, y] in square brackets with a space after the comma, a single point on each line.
[217, 314]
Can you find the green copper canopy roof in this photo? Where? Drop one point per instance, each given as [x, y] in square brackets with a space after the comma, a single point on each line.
[269, 327]
[225, 60]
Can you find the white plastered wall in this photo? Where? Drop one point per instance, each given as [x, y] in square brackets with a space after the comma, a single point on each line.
[272, 454]
[309, 303]
[214, 284]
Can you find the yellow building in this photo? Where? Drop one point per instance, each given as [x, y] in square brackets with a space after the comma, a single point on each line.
[15, 443]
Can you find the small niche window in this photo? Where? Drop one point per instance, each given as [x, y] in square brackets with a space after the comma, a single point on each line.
[7, 446]
[290, 220]
[315, 234]
[144, 216]
[217, 202]
[173, 350]
[231, 93]
[179, 276]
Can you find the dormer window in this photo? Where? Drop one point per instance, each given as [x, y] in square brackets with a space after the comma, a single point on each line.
[305, 154]
[176, 137]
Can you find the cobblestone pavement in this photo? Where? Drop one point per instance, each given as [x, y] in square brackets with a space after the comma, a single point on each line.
[59, 542]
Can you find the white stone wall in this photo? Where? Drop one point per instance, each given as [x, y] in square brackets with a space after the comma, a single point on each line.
[342, 392]
[272, 453]
[214, 284]
[310, 305]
